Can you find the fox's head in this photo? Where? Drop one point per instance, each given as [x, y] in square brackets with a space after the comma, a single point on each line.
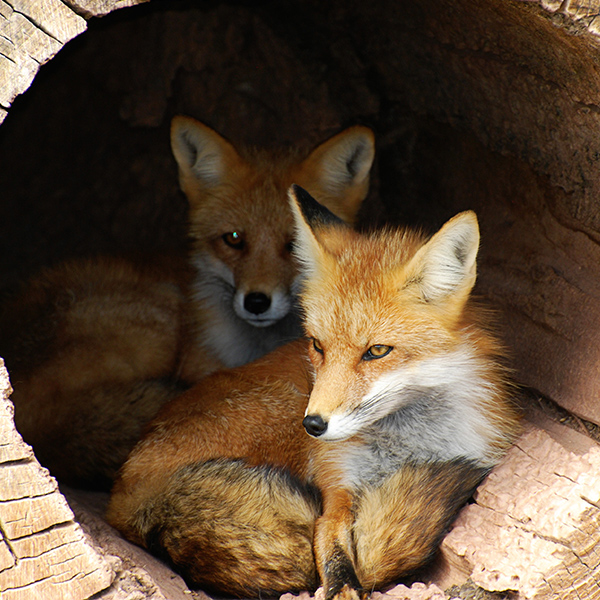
[242, 229]
[385, 312]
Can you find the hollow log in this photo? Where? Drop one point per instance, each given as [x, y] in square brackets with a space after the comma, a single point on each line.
[486, 104]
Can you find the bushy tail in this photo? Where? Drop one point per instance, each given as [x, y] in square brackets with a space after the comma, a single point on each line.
[239, 530]
[400, 524]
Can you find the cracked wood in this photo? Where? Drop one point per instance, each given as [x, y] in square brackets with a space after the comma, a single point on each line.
[43, 551]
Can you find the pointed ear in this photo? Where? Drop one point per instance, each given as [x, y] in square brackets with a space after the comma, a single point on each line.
[203, 156]
[337, 171]
[309, 217]
[445, 267]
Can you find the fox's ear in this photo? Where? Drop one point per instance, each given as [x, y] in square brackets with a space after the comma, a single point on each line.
[337, 171]
[309, 218]
[201, 153]
[445, 267]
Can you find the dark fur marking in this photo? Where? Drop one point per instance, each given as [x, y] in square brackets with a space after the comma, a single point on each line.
[211, 559]
[339, 572]
[352, 161]
[460, 253]
[316, 214]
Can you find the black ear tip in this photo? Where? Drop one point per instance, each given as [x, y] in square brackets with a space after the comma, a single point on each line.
[314, 212]
[301, 195]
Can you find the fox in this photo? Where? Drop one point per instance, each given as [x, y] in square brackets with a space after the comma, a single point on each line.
[341, 458]
[94, 346]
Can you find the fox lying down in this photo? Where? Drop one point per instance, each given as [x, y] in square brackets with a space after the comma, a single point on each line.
[342, 458]
[95, 346]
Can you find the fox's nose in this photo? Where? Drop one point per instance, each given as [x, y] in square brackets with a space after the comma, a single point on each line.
[314, 425]
[257, 303]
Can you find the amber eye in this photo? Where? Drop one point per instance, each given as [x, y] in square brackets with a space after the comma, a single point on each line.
[234, 239]
[377, 351]
[317, 346]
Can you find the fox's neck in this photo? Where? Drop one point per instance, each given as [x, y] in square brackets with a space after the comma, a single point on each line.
[236, 343]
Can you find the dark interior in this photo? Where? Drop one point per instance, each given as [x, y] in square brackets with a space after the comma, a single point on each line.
[485, 104]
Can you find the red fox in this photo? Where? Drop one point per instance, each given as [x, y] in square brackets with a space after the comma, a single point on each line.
[94, 347]
[343, 457]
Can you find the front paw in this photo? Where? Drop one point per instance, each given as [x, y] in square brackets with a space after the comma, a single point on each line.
[346, 592]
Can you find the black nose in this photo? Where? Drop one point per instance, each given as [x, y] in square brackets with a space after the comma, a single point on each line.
[314, 425]
[257, 303]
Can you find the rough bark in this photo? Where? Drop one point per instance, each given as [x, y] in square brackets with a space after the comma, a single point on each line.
[43, 551]
[534, 528]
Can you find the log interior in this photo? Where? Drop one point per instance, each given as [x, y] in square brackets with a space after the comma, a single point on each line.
[476, 104]
[492, 105]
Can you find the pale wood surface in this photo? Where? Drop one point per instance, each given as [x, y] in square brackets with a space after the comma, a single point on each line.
[535, 526]
[33, 31]
[43, 551]
[99, 8]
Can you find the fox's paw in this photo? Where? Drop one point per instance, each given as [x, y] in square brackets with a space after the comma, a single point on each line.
[348, 592]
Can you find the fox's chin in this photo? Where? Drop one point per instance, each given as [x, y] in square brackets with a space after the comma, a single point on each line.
[260, 322]
[338, 432]
[263, 320]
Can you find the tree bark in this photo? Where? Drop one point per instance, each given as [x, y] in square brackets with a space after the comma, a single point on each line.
[43, 551]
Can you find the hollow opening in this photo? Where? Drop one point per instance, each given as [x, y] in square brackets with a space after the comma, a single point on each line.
[488, 105]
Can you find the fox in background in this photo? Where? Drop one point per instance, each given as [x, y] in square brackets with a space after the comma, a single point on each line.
[95, 346]
[401, 388]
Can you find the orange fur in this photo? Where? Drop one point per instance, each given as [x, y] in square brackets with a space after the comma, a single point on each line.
[402, 391]
[94, 347]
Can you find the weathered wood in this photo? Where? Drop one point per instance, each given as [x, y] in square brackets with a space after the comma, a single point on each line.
[43, 552]
[584, 12]
[99, 8]
[32, 32]
[417, 591]
[535, 526]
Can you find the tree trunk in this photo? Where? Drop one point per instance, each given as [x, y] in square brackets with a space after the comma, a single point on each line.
[486, 104]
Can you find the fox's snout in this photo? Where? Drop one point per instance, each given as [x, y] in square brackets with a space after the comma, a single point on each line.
[261, 309]
[315, 425]
[257, 303]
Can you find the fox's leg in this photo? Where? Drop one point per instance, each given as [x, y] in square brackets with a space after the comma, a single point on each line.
[334, 547]
[234, 529]
[400, 524]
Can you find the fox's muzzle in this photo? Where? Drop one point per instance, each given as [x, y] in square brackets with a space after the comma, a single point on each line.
[314, 425]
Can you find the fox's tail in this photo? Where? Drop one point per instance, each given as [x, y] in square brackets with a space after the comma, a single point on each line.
[248, 531]
[400, 524]
[235, 529]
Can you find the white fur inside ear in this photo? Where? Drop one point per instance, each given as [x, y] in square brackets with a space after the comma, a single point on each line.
[348, 161]
[447, 263]
[197, 152]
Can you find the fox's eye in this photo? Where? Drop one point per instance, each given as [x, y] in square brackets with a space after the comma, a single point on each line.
[234, 239]
[377, 351]
[317, 346]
